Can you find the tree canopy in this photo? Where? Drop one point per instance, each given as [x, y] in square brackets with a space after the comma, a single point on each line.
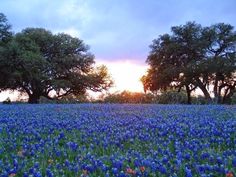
[40, 63]
[5, 30]
[194, 57]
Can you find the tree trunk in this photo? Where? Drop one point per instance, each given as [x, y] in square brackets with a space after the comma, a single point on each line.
[188, 94]
[227, 97]
[204, 90]
[33, 99]
[215, 89]
[220, 99]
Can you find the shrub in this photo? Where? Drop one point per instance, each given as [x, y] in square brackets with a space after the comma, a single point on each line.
[172, 97]
[7, 101]
[233, 99]
[129, 97]
[66, 100]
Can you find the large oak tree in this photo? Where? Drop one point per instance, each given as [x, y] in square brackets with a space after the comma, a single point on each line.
[40, 63]
[194, 57]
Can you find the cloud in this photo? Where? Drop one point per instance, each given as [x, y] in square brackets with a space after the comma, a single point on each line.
[71, 31]
[116, 29]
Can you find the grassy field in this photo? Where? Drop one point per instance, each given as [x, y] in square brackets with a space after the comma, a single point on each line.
[117, 140]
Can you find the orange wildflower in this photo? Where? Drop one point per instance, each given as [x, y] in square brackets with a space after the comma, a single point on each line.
[142, 169]
[130, 171]
[230, 174]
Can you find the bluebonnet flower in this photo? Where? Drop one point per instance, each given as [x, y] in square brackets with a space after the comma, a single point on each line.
[109, 138]
[49, 173]
[188, 173]
[115, 171]
[234, 162]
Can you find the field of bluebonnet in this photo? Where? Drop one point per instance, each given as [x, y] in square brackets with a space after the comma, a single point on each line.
[117, 140]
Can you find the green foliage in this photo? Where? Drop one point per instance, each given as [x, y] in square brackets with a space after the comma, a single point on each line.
[199, 100]
[69, 99]
[5, 30]
[172, 97]
[168, 97]
[233, 99]
[193, 57]
[40, 63]
[5, 37]
[128, 97]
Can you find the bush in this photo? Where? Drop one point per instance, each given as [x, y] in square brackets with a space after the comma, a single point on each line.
[128, 97]
[172, 97]
[7, 101]
[169, 97]
[66, 100]
[199, 100]
[233, 99]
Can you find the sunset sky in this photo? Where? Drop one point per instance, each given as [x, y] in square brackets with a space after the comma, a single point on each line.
[117, 31]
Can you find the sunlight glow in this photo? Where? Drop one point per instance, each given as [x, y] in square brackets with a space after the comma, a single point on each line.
[126, 75]
[8, 94]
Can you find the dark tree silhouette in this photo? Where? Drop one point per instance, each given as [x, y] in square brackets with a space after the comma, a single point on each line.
[40, 63]
[193, 57]
[5, 30]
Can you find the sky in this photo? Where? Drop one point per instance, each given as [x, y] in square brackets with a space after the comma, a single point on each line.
[118, 32]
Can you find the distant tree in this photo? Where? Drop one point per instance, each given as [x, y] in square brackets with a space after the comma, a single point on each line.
[5, 30]
[5, 37]
[194, 57]
[40, 63]
[128, 97]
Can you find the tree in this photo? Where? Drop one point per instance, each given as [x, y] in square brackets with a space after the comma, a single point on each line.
[40, 63]
[5, 37]
[194, 57]
[221, 54]
[5, 30]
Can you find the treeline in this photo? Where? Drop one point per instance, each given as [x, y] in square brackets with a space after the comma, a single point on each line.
[59, 67]
[127, 97]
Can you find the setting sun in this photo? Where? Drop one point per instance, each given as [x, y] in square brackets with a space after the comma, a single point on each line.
[126, 75]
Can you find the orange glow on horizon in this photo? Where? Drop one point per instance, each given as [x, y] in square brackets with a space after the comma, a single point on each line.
[126, 75]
